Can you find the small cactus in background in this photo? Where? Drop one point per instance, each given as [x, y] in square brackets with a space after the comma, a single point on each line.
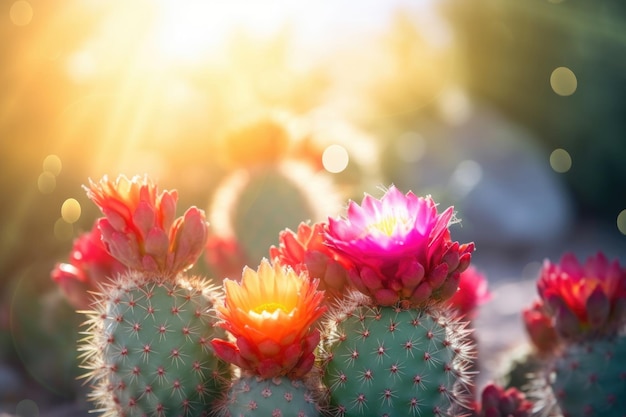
[587, 306]
[397, 345]
[526, 363]
[267, 188]
[270, 316]
[148, 346]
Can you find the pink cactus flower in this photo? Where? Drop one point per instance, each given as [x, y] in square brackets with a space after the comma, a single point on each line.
[139, 228]
[89, 266]
[584, 299]
[472, 293]
[305, 251]
[498, 402]
[270, 313]
[398, 248]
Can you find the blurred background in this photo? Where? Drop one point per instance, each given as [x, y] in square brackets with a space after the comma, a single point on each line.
[514, 112]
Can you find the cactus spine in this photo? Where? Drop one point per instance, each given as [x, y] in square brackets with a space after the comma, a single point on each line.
[150, 352]
[383, 360]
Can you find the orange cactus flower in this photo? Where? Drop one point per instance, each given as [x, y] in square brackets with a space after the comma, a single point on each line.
[305, 251]
[270, 313]
[140, 230]
[584, 299]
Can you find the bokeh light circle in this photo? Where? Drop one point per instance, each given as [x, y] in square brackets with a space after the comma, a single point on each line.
[621, 222]
[563, 81]
[46, 183]
[21, 13]
[560, 160]
[27, 408]
[71, 210]
[52, 164]
[335, 158]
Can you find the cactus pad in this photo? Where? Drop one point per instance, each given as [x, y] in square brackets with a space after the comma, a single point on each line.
[276, 397]
[389, 361]
[150, 353]
[589, 379]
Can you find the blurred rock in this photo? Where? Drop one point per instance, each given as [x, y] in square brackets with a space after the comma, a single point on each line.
[495, 174]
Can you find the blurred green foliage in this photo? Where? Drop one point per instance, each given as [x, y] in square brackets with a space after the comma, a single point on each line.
[508, 50]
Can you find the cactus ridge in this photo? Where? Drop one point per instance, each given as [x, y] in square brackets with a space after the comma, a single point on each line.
[589, 378]
[379, 361]
[150, 353]
[252, 396]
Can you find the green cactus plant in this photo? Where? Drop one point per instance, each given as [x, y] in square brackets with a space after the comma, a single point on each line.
[589, 378]
[579, 323]
[270, 315]
[380, 361]
[148, 348]
[277, 397]
[255, 204]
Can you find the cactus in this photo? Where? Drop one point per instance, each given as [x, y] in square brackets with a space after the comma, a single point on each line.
[270, 316]
[253, 205]
[384, 360]
[395, 345]
[149, 348]
[589, 378]
[275, 397]
[268, 187]
[579, 323]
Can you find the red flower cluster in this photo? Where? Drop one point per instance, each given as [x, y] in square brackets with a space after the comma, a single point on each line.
[306, 250]
[584, 299]
[89, 266]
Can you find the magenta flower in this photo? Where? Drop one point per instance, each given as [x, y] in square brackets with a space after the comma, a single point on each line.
[398, 248]
[584, 299]
[89, 266]
[139, 228]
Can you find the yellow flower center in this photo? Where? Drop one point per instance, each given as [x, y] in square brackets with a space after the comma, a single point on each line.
[269, 308]
[387, 225]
